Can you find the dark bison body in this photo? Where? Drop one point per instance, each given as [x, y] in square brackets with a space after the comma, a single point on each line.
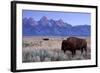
[72, 44]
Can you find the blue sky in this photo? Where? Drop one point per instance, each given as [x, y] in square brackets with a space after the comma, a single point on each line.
[73, 18]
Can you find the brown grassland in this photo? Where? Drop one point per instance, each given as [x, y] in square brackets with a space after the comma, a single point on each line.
[35, 49]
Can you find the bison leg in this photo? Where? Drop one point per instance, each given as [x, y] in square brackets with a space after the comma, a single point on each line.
[73, 52]
[81, 50]
[64, 51]
[85, 50]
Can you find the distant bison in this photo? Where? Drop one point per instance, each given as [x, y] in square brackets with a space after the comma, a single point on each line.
[46, 39]
[73, 43]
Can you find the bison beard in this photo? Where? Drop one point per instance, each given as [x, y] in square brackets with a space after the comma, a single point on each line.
[72, 44]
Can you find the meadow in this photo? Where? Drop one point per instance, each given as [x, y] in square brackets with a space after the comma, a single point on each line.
[36, 49]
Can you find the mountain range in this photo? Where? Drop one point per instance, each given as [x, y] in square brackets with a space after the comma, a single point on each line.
[50, 27]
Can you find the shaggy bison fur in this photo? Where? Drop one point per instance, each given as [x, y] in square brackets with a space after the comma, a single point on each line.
[73, 43]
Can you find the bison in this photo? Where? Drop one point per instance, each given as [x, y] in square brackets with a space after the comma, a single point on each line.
[73, 43]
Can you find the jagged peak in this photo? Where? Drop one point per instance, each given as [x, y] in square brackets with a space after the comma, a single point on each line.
[60, 20]
[44, 18]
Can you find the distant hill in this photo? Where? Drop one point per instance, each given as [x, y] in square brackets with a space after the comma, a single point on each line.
[45, 27]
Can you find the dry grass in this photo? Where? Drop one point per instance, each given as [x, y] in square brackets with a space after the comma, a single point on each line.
[39, 50]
